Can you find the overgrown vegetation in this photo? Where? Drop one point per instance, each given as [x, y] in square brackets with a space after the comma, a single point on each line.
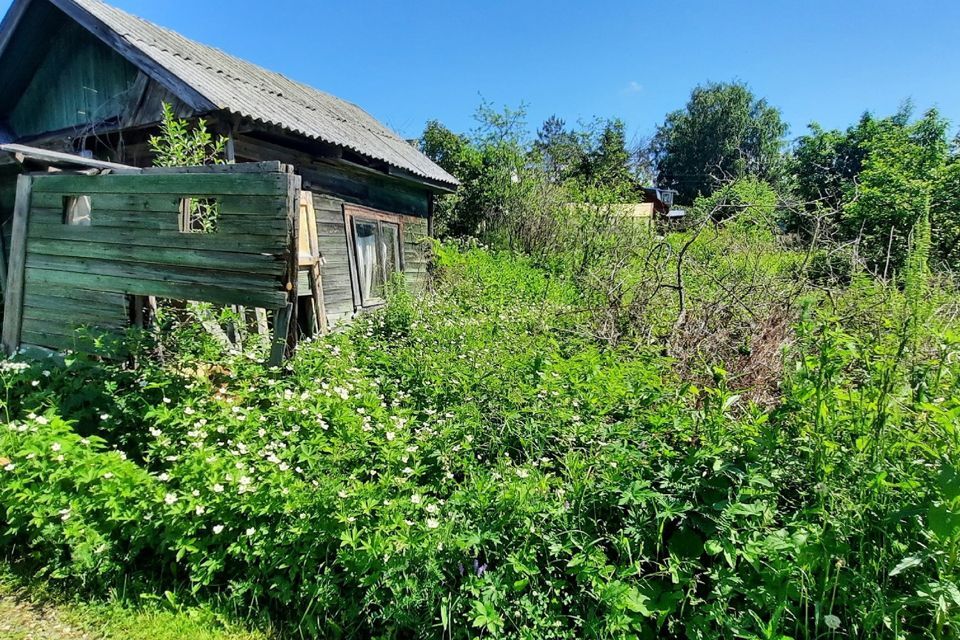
[590, 426]
[476, 463]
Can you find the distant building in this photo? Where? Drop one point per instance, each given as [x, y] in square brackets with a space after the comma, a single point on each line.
[662, 200]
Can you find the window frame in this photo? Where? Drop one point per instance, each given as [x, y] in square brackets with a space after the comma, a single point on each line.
[352, 214]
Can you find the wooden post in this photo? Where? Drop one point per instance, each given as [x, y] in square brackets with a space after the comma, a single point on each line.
[285, 320]
[13, 299]
[281, 328]
[293, 265]
[3, 265]
[431, 201]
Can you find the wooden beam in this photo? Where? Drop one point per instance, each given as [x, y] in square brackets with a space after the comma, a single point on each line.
[431, 202]
[3, 266]
[13, 297]
[23, 153]
[10, 22]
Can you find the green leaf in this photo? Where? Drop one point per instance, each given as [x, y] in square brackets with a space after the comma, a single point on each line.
[944, 522]
[907, 563]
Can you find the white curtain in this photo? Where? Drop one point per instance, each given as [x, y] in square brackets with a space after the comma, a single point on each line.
[367, 261]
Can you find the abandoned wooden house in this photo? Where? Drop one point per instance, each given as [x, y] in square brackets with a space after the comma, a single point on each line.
[318, 205]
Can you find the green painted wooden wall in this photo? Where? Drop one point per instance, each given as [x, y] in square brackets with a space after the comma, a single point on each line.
[338, 296]
[79, 276]
[79, 81]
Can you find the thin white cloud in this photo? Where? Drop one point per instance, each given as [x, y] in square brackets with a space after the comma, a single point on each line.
[633, 87]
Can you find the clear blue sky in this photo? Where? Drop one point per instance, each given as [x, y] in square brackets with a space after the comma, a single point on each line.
[407, 62]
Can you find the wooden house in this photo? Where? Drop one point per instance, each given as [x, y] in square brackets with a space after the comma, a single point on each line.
[84, 78]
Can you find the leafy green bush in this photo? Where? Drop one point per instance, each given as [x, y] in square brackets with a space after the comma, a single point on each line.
[474, 464]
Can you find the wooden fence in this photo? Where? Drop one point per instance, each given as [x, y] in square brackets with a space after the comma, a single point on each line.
[68, 271]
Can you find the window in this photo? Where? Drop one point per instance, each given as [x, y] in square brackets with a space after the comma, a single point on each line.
[377, 251]
[199, 215]
[76, 210]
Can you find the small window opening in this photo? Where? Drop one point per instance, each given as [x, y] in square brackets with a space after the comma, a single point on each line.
[76, 210]
[199, 215]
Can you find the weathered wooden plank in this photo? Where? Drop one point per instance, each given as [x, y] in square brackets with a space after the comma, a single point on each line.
[58, 158]
[179, 257]
[270, 206]
[187, 275]
[42, 321]
[197, 185]
[178, 290]
[79, 296]
[167, 221]
[75, 298]
[13, 298]
[330, 216]
[51, 341]
[231, 242]
[268, 166]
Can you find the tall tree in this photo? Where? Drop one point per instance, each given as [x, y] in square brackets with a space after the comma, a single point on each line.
[723, 133]
[609, 160]
[902, 169]
[489, 164]
[559, 150]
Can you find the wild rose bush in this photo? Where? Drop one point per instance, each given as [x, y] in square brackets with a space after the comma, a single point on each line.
[471, 465]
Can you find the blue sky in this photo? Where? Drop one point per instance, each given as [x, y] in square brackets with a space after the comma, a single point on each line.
[407, 62]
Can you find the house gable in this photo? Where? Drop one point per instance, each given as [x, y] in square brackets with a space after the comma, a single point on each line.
[62, 79]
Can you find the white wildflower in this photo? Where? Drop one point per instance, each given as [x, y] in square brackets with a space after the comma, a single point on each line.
[218, 488]
[170, 498]
[55, 446]
[432, 523]
[832, 621]
[217, 528]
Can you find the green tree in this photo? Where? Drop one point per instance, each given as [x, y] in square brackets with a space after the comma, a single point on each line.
[903, 167]
[723, 133]
[608, 162]
[561, 152]
[825, 163]
[490, 164]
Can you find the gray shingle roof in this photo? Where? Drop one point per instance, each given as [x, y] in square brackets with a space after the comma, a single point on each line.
[265, 96]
